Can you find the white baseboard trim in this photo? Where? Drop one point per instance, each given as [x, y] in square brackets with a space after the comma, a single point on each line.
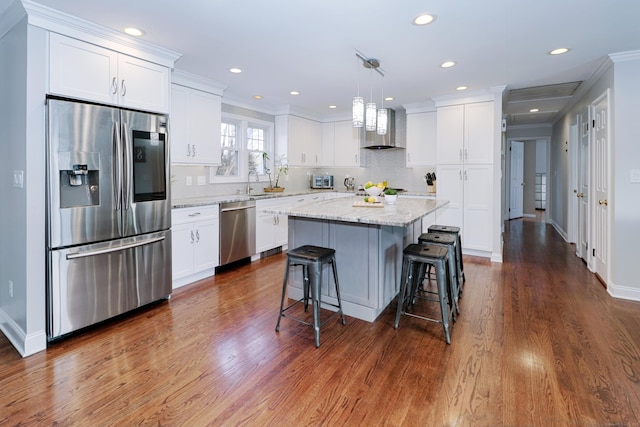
[25, 344]
[560, 231]
[623, 292]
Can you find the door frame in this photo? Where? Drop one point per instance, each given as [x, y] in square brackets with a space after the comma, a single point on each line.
[507, 173]
[572, 203]
[520, 212]
[592, 185]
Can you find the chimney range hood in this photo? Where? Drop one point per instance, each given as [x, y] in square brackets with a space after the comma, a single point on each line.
[373, 141]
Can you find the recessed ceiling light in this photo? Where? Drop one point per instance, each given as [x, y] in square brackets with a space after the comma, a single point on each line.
[462, 88]
[534, 110]
[235, 70]
[424, 19]
[389, 98]
[257, 96]
[448, 64]
[333, 107]
[559, 51]
[294, 92]
[134, 31]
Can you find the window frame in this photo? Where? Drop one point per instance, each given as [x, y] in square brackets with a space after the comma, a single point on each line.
[243, 123]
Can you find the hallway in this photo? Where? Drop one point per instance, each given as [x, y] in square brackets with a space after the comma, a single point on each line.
[539, 342]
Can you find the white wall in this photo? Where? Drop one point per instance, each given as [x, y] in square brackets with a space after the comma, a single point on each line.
[22, 247]
[625, 196]
[621, 77]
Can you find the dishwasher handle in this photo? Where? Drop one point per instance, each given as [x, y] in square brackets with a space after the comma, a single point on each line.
[241, 208]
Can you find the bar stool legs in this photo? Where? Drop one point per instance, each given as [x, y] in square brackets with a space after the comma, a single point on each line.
[447, 241]
[456, 232]
[311, 259]
[415, 256]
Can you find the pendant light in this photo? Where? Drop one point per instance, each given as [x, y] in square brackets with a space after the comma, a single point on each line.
[382, 121]
[362, 114]
[358, 106]
[370, 111]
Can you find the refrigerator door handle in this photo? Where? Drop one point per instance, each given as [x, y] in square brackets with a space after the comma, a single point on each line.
[128, 164]
[115, 249]
[117, 167]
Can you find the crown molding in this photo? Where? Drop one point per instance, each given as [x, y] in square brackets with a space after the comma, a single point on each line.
[490, 94]
[194, 81]
[633, 55]
[71, 26]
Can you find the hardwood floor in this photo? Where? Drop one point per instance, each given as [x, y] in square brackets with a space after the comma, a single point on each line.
[538, 343]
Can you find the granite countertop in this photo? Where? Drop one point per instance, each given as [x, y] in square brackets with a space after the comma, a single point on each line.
[190, 202]
[403, 213]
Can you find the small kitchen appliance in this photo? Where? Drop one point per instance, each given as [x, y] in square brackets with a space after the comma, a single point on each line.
[350, 183]
[321, 181]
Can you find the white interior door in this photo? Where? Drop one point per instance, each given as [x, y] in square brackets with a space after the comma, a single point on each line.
[573, 199]
[601, 184]
[582, 248]
[516, 191]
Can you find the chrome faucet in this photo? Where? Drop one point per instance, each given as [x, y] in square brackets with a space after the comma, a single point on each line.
[249, 179]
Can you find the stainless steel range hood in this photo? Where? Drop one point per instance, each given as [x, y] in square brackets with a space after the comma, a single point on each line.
[373, 141]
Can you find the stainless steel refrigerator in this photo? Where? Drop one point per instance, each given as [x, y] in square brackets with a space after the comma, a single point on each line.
[109, 213]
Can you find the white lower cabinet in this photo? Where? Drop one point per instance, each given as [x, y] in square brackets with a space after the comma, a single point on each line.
[469, 189]
[271, 229]
[195, 239]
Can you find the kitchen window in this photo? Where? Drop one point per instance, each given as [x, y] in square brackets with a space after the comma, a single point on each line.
[243, 143]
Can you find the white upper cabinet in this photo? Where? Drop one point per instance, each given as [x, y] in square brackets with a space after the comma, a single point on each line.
[195, 126]
[86, 71]
[465, 133]
[300, 140]
[421, 139]
[340, 144]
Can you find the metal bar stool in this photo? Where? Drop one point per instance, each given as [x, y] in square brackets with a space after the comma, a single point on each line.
[455, 231]
[311, 258]
[447, 241]
[416, 257]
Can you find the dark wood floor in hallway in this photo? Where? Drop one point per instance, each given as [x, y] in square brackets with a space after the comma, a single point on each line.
[538, 342]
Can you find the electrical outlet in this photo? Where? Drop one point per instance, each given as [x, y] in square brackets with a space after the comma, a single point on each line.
[10, 289]
[189, 181]
[202, 180]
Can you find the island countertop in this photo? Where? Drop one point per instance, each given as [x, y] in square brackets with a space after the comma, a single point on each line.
[401, 214]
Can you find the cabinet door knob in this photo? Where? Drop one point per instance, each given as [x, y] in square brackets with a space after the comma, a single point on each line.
[114, 86]
[192, 237]
[603, 202]
[197, 235]
[123, 88]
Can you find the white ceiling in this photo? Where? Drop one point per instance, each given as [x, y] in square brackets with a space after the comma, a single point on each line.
[310, 45]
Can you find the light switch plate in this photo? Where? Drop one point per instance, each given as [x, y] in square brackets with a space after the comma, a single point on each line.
[635, 176]
[202, 180]
[189, 181]
[18, 179]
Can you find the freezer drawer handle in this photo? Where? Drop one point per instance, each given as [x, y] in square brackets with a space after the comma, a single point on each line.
[119, 248]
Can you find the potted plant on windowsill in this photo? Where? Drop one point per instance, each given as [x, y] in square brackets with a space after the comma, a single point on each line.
[281, 169]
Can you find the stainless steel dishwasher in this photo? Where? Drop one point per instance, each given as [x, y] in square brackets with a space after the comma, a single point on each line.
[237, 230]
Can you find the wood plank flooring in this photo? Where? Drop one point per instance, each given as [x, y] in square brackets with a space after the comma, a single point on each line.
[539, 342]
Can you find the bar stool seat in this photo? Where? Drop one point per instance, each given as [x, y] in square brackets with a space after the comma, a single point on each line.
[415, 257]
[455, 284]
[450, 229]
[311, 259]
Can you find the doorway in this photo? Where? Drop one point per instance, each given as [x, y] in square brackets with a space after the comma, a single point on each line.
[532, 188]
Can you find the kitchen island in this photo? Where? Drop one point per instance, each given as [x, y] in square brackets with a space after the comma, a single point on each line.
[368, 243]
